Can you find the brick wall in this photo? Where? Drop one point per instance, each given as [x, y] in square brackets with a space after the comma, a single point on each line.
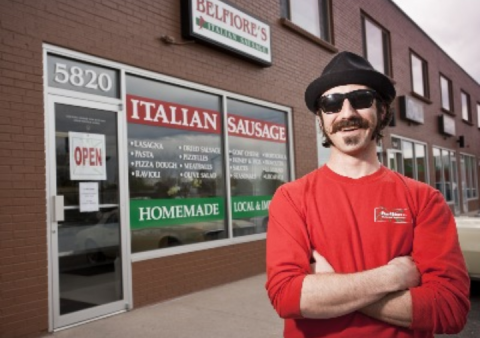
[128, 31]
[23, 241]
[165, 278]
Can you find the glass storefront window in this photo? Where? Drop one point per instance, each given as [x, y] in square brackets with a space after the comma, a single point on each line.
[409, 158]
[437, 161]
[258, 159]
[176, 175]
[469, 177]
[408, 167]
[445, 173]
[421, 162]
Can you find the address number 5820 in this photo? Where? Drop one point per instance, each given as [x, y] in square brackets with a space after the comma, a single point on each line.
[78, 77]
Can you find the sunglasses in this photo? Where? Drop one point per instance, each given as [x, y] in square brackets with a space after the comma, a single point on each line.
[359, 99]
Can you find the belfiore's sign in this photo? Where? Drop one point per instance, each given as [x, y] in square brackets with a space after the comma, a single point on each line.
[217, 23]
[158, 113]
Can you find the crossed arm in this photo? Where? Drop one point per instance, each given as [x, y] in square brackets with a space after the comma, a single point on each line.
[380, 293]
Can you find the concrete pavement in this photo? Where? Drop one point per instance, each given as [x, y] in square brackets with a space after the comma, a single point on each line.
[236, 310]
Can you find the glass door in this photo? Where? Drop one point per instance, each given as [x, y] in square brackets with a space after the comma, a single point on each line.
[86, 245]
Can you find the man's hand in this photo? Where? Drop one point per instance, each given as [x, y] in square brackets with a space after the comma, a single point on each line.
[407, 272]
[321, 265]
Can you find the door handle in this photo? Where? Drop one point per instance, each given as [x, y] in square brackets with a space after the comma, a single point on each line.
[58, 208]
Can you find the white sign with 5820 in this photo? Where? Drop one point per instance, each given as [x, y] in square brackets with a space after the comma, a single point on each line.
[79, 77]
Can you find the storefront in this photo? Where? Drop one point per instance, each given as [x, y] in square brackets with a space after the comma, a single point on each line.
[142, 166]
[142, 142]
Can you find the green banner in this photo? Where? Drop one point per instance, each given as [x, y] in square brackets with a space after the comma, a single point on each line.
[162, 212]
[250, 206]
[230, 35]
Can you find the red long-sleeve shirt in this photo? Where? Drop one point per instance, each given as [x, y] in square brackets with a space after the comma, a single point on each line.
[361, 224]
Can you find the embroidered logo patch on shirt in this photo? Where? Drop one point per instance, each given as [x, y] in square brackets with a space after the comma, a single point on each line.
[392, 215]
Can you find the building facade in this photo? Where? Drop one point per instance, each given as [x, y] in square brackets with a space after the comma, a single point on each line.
[142, 141]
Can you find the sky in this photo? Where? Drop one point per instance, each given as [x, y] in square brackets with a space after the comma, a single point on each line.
[454, 25]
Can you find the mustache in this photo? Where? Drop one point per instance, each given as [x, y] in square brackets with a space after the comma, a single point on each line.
[356, 121]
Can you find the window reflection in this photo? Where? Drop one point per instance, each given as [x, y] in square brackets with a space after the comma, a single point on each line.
[89, 259]
[421, 162]
[258, 158]
[313, 16]
[177, 165]
[478, 115]
[445, 173]
[469, 177]
[465, 98]
[377, 46]
[89, 245]
[409, 159]
[85, 120]
[306, 15]
[176, 174]
[418, 80]
[407, 150]
[445, 88]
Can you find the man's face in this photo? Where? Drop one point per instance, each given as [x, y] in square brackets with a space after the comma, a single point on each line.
[350, 130]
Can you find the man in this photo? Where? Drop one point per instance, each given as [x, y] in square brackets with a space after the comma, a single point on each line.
[385, 252]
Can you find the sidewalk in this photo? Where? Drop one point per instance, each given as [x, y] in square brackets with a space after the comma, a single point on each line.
[236, 310]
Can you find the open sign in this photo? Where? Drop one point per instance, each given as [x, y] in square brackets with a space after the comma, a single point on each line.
[87, 156]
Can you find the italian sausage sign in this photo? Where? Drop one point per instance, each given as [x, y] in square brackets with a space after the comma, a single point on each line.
[87, 156]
